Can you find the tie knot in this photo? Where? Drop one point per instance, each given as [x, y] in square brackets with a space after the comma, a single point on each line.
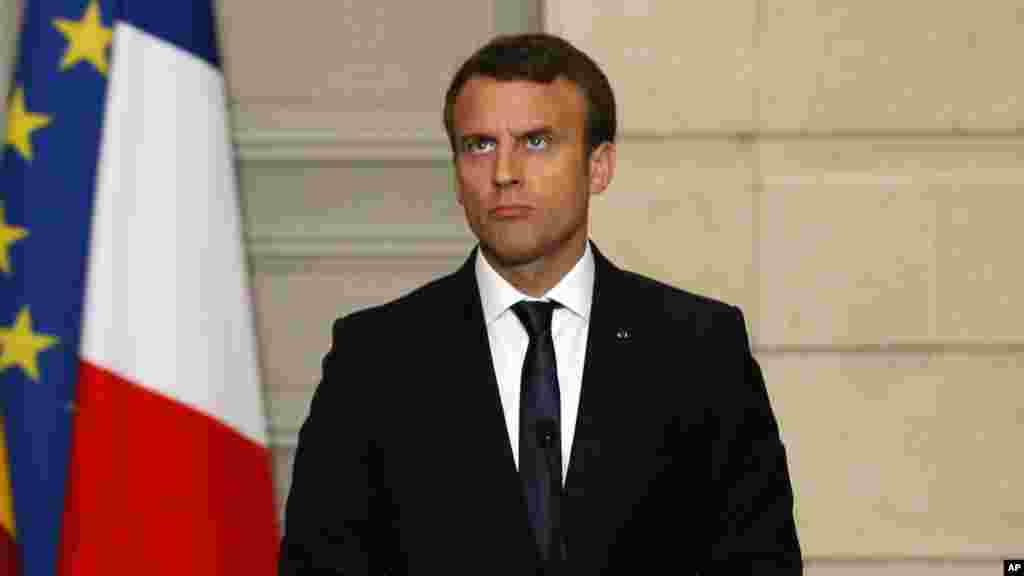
[535, 315]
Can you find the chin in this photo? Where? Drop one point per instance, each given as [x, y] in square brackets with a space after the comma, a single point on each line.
[513, 254]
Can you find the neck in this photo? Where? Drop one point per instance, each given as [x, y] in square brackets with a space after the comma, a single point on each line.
[536, 277]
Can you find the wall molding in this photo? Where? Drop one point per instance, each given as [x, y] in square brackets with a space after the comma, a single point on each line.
[264, 249]
[334, 146]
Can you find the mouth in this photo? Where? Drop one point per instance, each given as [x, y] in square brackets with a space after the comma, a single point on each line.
[502, 212]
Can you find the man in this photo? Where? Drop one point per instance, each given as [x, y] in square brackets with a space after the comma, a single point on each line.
[539, 410]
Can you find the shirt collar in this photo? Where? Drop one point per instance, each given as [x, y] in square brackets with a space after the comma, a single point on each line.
[575, 291]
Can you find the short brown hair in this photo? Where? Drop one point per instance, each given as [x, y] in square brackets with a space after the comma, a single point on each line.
[540, 58]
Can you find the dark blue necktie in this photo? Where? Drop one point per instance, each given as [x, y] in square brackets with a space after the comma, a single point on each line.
[540, 445]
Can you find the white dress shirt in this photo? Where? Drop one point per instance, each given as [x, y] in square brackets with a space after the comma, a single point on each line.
[509, 339]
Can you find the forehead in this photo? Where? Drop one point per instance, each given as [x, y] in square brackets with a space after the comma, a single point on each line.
[488, 105]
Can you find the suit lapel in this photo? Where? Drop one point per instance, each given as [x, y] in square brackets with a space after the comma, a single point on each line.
[609, 339]
[609, 349]
[492, 463]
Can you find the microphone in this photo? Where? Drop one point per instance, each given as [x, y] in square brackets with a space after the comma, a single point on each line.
[545, 429]
[547, 441]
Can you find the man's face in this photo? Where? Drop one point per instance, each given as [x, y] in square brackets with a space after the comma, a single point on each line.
[522, 168]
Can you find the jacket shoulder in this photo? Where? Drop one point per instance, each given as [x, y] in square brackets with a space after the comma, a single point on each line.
[675, 304]
[409, 309]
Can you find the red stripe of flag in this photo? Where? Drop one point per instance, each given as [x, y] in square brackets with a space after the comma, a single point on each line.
[157, 486]
[8, 554]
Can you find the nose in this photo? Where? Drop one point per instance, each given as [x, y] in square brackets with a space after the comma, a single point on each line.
[506, 167]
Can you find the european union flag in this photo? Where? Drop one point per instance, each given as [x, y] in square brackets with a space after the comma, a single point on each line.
[55, 114]
[130, 384]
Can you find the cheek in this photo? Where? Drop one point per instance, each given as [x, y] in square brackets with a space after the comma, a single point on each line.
[471, 197]
[466, 184]
[563, 179]
[474, 174]
[550, 174]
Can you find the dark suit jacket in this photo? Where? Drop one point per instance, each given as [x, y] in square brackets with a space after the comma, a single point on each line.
[404, 464]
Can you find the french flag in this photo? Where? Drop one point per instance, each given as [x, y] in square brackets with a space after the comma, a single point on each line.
[135, 424]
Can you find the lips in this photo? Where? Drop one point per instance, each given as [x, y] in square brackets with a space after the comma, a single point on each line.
[511, 211]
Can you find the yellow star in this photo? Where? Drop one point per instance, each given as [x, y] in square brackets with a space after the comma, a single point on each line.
[87, 39]
[21, 124]
[8, 235]
[21, 345]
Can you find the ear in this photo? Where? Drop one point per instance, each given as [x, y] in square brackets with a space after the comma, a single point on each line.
[602, 167]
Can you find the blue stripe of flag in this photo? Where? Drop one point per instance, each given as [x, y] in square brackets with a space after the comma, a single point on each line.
[188, 25]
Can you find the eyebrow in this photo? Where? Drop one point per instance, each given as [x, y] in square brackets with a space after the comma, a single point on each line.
[538, 131]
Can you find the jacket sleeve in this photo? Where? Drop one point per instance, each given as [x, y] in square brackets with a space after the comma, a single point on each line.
[755, 532]
[337, 519]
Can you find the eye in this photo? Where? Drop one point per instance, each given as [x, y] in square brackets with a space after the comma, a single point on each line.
[537, 141]
[478, 145]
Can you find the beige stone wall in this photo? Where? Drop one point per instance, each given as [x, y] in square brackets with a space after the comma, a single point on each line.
[852, 175]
